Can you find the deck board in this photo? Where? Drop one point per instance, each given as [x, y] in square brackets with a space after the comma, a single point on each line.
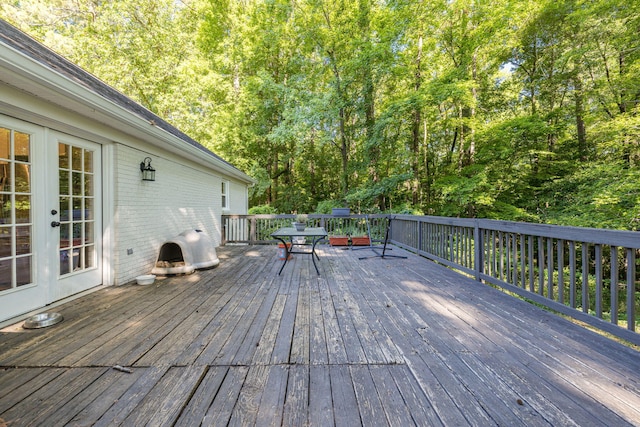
[368, 342]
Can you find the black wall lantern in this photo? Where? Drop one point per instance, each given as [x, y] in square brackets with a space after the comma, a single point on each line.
[148, 172]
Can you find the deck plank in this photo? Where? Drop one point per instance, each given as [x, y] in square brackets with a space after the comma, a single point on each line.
[340, 297]
[414, 397]
[395, 408]
[164, 402]
[127, 403]
[368, 342]
[300, 344]
[197, 407]
[345, 404]
[318, 354]
[284, 337]
[541, 346]
[320, 398]
[31, 411]
[12, 378]
[247, 405]
[296, 404]
[270, 411]
[369, 404]
[221, 409]
[25, 390]
[336, 350]
[108, 389]
[267, 343]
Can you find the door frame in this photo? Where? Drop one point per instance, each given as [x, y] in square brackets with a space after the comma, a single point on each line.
[70, 284]
[16, 301]
[19, 303]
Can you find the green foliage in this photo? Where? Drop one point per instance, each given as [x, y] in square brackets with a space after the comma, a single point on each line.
[513, 110]
[605, 195]
[262, 210]
[325, 207]
[365, 197]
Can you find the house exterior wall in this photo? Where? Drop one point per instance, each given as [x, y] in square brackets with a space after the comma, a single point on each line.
[139, 215]
[184, 196]
[85, 145]
[239, 199]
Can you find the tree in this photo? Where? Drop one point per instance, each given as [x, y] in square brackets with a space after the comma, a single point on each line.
[449, 107]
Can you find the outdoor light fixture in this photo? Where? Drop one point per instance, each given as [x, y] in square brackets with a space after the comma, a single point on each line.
[148, 172]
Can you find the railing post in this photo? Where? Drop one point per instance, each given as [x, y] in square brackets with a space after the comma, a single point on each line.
[478, 258]
[252, 230]
[224, 231]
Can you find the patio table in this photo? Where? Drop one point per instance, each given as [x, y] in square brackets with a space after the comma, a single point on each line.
[315, 233]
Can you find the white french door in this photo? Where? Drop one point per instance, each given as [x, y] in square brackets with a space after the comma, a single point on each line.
[50, 216]
[75, 215]
[20, 290]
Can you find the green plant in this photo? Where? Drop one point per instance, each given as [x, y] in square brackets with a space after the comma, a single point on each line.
[263, 210]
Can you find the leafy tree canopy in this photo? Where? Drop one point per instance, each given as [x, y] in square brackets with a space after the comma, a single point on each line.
[512, 110]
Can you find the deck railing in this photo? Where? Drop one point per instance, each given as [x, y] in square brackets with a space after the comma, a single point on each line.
[587, 274]
[257, 229]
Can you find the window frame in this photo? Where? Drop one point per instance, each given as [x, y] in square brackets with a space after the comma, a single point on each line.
[224, 195]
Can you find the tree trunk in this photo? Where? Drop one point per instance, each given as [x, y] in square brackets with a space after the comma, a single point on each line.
[415, 137]
[581, 130]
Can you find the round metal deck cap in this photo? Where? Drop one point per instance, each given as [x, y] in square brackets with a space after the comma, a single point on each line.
[42, 320]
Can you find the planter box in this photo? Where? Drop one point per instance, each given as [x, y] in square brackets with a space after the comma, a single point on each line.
[340, 211]
[360, 241]
[339, 241]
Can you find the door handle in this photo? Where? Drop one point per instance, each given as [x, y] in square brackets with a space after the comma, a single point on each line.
[55, 224]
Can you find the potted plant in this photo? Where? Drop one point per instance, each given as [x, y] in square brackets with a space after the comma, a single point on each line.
[301, 222]
[360, 234]
[339, 238]
[360, 241]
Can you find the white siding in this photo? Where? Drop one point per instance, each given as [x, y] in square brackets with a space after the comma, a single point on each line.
[183, 196]
[238, 200]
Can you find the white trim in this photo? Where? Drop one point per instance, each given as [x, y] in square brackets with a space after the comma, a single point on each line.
[13, 321]
[108, 213]
[224, 195]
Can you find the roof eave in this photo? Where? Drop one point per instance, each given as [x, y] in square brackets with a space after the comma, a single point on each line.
[61, 90]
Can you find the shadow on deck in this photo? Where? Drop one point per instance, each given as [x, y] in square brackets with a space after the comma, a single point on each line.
[369, 342]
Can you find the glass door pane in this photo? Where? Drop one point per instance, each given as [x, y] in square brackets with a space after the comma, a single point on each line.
[76, 201]
[16, 218]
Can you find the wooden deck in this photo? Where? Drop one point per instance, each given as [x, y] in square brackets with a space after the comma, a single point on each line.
[369, 342]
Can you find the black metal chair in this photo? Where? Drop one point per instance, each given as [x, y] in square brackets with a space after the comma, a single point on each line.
[375, 249]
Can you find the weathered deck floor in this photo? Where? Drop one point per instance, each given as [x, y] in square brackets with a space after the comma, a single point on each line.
[371, 342]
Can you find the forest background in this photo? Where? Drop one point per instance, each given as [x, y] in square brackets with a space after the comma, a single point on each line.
[504, 109]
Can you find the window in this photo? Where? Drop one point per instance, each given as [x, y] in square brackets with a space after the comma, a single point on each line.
[225, 195]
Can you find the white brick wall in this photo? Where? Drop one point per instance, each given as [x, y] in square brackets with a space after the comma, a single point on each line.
[183, 196]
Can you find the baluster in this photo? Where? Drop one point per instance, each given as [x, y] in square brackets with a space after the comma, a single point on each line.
[585, 277]
[631, 289]
[598, 272]
[550, 268]
[540, 265]
[614, 285]
[561, 271]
